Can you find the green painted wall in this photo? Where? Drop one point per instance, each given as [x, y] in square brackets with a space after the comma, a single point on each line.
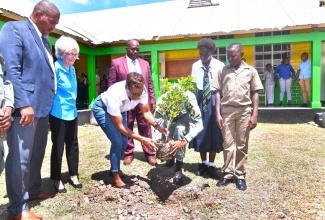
[313, 38]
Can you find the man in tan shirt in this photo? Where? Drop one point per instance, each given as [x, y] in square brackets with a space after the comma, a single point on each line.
[238, 114]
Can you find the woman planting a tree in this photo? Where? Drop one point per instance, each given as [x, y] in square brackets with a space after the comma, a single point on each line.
[110, 110]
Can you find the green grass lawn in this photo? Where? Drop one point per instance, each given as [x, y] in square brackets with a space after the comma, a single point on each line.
[286, 179]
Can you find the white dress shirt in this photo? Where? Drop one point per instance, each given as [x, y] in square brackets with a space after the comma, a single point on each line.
[49, 56]
[131, 67]
[198, 73]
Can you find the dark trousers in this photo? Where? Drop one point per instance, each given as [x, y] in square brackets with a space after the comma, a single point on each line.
[64, 132]
[26, 149]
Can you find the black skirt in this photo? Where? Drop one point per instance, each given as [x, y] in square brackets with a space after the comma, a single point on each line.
[210, 139]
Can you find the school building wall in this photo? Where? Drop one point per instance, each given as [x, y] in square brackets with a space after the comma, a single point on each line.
[182, 53]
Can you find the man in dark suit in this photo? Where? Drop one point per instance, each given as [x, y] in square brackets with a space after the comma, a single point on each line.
[29, 66]
[120, 68]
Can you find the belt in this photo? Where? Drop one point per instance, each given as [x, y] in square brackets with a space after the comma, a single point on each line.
[239, 106]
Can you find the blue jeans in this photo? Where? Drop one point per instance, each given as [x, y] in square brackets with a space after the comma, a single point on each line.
[118, 140]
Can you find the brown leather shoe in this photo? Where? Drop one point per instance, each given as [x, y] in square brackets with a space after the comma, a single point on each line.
[25, 215]
[152, 160]
[43, 195]
[128, 159]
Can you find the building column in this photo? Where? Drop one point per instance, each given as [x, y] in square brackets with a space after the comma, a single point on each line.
[316, 73]
[92, 79]
[155, 71]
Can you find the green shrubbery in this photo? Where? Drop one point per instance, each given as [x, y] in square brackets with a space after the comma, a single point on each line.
[174, 97]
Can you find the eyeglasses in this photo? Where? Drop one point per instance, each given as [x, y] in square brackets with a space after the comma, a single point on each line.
[137, 96]
[73, 55]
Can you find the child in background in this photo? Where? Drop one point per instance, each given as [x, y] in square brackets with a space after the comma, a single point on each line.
[269, 82]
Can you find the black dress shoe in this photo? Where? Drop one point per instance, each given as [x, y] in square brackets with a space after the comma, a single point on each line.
[212, 171]
[64, 190]
[77, 186]
[304, 105]
[178, 178]
[170, 163]
[223, 182]
[201, 170]
[241, 184]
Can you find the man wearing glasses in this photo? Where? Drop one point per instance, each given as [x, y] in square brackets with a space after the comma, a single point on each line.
[119, 70]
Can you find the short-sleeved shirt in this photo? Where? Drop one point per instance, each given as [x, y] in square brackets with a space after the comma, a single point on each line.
[305, 69]
[215, 69]
[235, 86]
[117, 101]
[269, 78]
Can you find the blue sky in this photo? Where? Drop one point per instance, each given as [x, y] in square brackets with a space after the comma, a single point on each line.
[74, 6]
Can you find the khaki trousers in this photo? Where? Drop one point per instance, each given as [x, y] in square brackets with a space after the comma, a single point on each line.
[235, 134]
[305, 88]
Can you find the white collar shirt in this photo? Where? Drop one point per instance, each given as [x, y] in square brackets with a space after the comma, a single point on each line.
[49, 56]
[117, 101]
[215, 68]
[131, 66]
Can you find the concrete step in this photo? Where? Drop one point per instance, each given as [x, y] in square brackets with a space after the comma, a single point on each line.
[287, 115]
[278, 115]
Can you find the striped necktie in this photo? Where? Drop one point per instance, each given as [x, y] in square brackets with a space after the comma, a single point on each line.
[46, 43]
[206, 89]
[134, 66]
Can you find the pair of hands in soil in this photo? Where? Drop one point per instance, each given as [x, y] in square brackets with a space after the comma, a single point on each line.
[173, 147]
[150, 143]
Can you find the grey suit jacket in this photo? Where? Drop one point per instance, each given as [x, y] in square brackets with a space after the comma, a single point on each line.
[27, 67]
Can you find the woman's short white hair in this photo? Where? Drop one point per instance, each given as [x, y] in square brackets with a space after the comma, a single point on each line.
[64, 45]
